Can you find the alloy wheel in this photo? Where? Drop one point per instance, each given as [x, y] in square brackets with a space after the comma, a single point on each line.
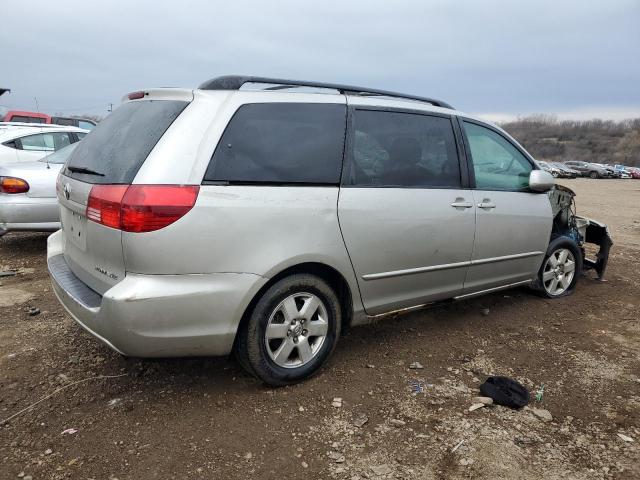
[296, 330]
[558, 272]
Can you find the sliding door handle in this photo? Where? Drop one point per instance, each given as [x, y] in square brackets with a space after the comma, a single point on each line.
[459, 203]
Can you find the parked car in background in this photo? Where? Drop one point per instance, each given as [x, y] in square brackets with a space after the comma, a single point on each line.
[201, 222]
[634, 172]
[84, 123]
[566, 171]
[28, 143]
[592, 170]
[28, 193]
[613, 173]
[550, 167]
[624, 171]
[36, 117]
[26, 117]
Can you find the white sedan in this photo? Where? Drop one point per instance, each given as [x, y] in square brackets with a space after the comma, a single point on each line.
[28, 193]
[31, 142]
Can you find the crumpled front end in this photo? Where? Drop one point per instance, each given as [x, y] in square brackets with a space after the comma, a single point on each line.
[582, 230]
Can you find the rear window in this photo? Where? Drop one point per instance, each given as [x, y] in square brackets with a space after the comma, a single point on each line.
[45, 142]
[117, 148]
[292, 143]
[70, 122]
[60, 157]
[22, 118]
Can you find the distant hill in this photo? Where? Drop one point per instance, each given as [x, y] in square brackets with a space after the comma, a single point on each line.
[602, 141]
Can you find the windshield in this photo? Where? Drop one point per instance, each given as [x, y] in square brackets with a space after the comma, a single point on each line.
[60, 157]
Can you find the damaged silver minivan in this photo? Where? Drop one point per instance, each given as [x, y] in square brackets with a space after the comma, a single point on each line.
[263, 216]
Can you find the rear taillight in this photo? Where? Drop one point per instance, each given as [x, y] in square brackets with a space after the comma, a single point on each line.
[13, 185]
[140, 208]
[146, 208]
[105, 204]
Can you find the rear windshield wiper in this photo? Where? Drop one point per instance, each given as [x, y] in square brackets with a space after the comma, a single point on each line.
[86, 170]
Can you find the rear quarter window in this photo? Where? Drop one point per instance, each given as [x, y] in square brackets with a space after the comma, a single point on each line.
[291, 143]
[119, 145]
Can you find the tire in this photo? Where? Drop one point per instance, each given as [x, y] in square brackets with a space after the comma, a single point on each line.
[555, 279]
[291, 310]
[594, 175]
[555, 174]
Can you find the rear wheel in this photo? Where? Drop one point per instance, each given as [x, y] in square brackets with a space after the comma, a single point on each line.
[594, 175]
[292, 330]
[560, 269]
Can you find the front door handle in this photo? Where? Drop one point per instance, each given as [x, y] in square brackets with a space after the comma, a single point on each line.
[486, 204]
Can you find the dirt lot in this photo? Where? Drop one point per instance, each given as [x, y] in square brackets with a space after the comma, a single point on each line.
[206, 418]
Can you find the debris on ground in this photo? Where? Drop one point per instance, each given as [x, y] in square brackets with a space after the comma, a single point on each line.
[418, 386]
[484, 312]
[380, 470]
[542, 414]
[33, 311]
[69, 431]
[505, 391]
[7, 273]
[416, 366]
[360, 420]
[458, 445]
[337, 457]
[483, 400]
[114, 402]
[625, 437]
[397, 423]
[476, 406]
[540, 393]
[337, 402]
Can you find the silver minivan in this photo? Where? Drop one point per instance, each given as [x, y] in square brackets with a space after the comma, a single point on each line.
[263, 216]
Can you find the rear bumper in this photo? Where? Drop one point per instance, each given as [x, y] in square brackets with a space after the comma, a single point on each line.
[23, 213]
[157, 315]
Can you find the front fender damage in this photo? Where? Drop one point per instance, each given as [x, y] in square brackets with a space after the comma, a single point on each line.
[581, 229]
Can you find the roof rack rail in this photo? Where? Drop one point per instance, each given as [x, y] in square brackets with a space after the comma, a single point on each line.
[235, 82]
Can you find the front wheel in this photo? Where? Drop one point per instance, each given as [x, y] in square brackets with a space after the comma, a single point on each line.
[291, 331]
[594, 175]
[560, 269]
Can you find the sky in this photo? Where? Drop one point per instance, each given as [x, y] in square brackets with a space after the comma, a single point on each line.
[501, 59]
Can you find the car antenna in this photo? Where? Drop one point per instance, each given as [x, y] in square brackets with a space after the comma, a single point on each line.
[42, 131]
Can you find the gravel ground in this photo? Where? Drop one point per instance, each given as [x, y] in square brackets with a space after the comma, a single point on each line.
[205, 418]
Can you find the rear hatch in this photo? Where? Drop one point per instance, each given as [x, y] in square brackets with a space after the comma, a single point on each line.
[103, 165]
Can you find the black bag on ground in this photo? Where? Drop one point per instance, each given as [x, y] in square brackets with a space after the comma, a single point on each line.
[505, 391]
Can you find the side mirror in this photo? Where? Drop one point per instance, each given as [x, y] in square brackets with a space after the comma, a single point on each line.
[541, 181]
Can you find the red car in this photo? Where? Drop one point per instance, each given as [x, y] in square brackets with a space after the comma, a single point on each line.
[35, 117]
[634, 171]
[26, 117]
